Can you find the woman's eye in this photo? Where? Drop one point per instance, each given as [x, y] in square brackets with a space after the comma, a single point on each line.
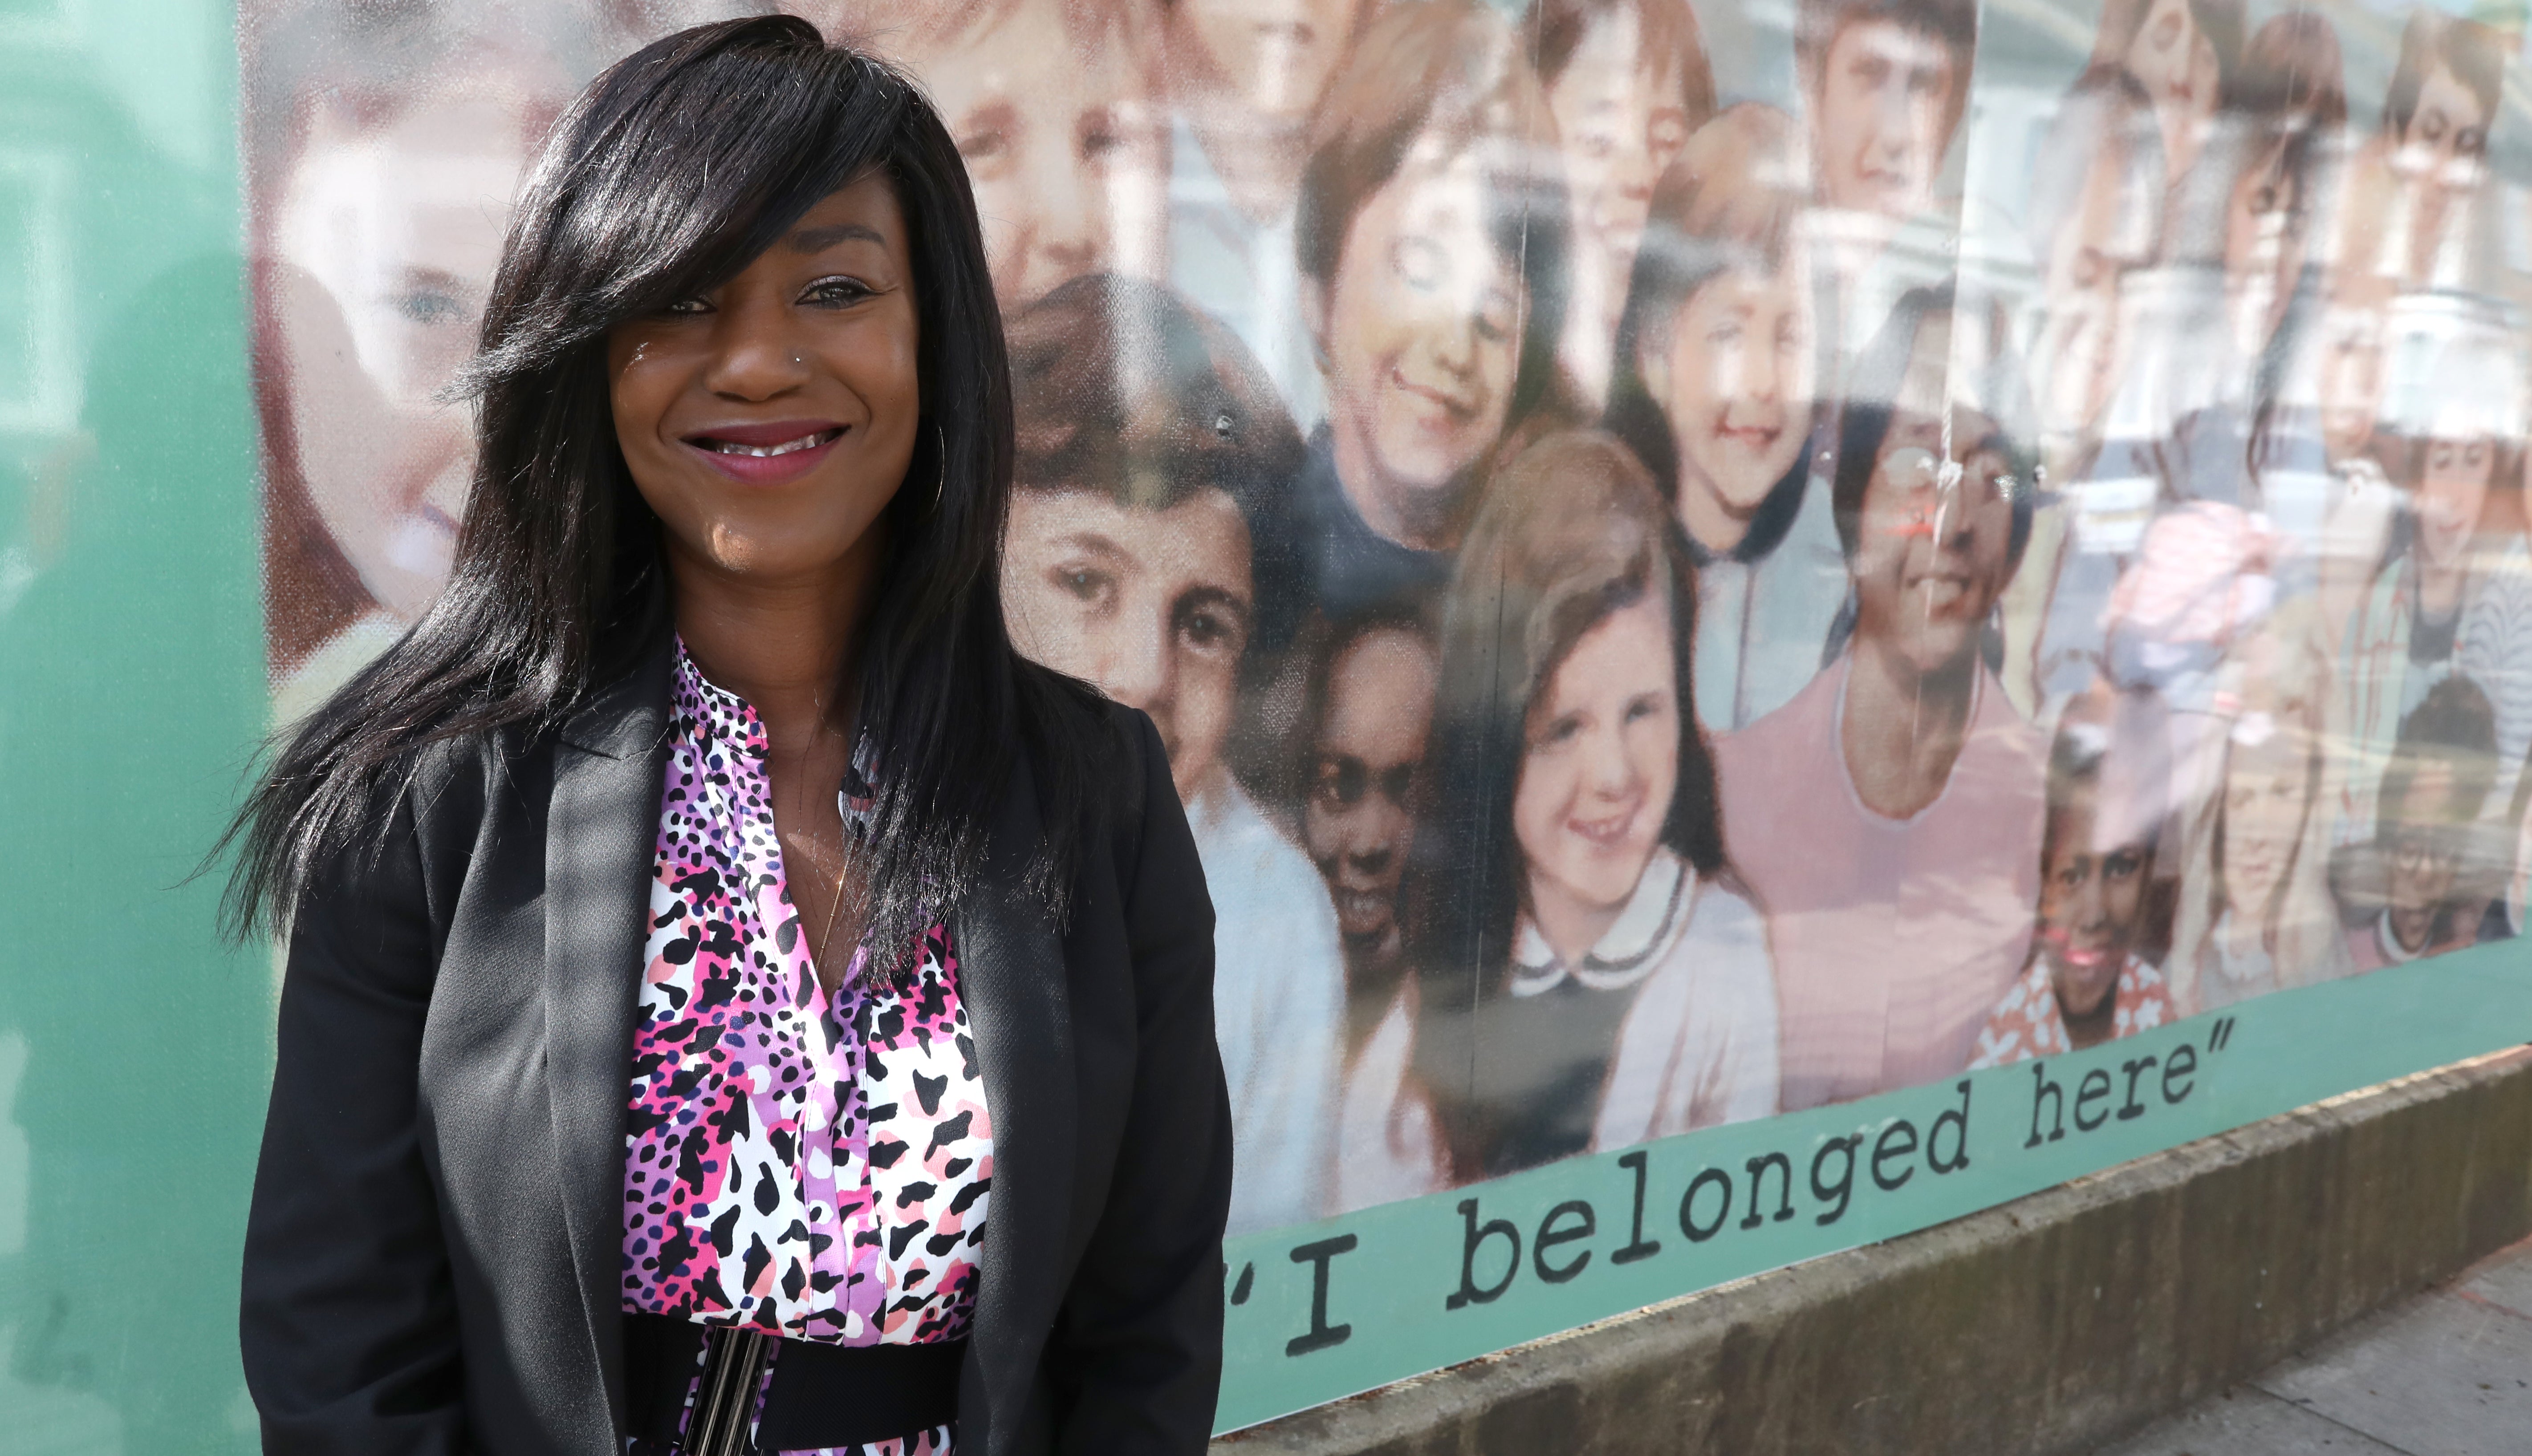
[836, 291]
[687, 307]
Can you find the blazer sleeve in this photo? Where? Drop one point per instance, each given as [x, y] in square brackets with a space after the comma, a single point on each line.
[348, 1318]
[1142, 1322]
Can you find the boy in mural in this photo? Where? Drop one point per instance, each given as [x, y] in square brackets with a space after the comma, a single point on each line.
[2088, 979]
[1145, 435]
[2419, 887]
[1431, 240]
[1055, 107]
[1629, 84]
[1245, 81]
[1714, 394]
[1889, 816]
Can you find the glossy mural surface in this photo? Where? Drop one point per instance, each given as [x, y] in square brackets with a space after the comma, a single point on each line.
[1698, 562]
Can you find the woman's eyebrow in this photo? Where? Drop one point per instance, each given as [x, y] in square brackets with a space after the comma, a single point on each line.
[819, 240]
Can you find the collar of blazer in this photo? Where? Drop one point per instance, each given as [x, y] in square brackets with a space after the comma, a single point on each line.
[601, 836]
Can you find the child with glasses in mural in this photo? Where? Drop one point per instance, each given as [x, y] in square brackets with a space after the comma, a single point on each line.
[1147, 443]
[1592, 975]
[2088, 979]
[1889, 816]
[1714, 394]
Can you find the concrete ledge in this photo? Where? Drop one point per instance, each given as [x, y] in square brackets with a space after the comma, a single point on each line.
[2043, 1326]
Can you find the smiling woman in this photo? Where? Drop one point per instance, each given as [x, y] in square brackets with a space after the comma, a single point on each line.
[707, 849]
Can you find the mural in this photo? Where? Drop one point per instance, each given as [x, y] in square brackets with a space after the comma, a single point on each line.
[1696, 562]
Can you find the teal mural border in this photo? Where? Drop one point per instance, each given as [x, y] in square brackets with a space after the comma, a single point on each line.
[1333, 1309]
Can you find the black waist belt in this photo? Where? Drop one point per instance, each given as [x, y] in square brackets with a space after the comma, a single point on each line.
[822, 1394]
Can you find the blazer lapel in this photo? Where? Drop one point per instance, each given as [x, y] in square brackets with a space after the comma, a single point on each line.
[601, 834]
[1012, 979]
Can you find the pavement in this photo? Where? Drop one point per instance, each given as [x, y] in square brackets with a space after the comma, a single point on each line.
[2447, 1374]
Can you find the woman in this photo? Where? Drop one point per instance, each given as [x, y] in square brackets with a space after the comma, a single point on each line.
[1889, 816]
[1592, 976]
[1715, 395]
[704, 906]
[1432, 253]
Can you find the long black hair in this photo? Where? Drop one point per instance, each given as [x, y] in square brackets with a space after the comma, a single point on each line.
[673, 170]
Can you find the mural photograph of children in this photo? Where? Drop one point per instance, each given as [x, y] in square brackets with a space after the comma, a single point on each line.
[2087, 980]
[1056, 106]
[1432, 250]
[1629, 82]
[1889, 816]
[1714, 393]
[2410, 213]
[2183, 53]
[381, 223]
[1143, 434]
[1245, 82]
[2424, 882]
[1592, 976]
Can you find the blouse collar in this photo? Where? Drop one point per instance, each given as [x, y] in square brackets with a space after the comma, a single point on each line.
[716, 718]
[1627, 951]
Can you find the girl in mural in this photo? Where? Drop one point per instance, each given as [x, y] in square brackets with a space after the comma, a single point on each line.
[2410, 215]
[2254, 913]
[1629, 84]
[381, 220]
[1431, 238]
[2089, 979]
[2183, 53]
[1715, 395]
[2456, 595]
[1146, 436]
[1246, 77]
[1059, 118]
[1889, 816]
[1592, 975]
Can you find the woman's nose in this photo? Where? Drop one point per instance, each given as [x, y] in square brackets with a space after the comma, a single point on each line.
[753, 359]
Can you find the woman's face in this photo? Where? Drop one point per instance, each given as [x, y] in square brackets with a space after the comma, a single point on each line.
[1601, 761]
[1065, 148]
[1421, 336]
[2176, 64]
[2091, 896]
[2453, 491]
[2267, 794]
[1153, 606]
[1934, 538]
[769, 421]
[2447, 137]
[1620, 116]
[1363, 764]
[1734, 380]
[387, 241]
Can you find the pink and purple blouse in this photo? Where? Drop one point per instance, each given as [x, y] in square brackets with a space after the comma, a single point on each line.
[815, 1166]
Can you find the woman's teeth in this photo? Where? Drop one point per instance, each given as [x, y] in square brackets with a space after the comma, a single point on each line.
[762, 452]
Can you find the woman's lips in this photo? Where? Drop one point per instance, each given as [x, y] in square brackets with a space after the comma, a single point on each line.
[767, 454]
[1606, 833]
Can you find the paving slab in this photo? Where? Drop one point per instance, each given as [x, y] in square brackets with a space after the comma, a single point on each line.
[2247, 1421]
[2505, 1283]
[2448, 1375]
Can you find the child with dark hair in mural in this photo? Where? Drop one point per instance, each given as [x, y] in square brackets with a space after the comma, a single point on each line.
[2088, 979]
[1571, 911]
[2421, 886]
[1149, 445]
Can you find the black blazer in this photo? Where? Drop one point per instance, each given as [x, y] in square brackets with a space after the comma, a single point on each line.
[434, 1255]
